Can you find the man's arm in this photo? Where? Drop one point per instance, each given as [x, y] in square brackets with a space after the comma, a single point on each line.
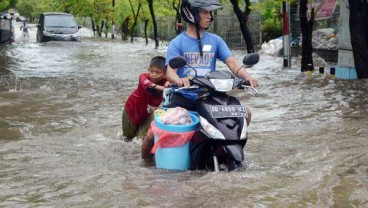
[239, 71]
[172, 77]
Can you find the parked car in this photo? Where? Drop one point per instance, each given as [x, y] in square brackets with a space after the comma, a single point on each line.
[6, 29]
[57, 26]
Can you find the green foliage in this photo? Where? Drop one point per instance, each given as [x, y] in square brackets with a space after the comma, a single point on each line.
[12, 3]
[100, 10]
[27, 8]
[269, 9]
[96, 9]
[271, 30]
[7, 4]
[271, 18]
[4, 5]
[164, 7]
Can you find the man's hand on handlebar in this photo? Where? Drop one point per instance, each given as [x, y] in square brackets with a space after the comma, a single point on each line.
[183, 82]
[253, 82]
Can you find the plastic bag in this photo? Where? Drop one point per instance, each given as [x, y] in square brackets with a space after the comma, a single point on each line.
[176, 116]
[169, 139]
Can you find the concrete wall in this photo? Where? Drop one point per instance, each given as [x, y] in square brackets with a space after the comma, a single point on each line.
[345, 55]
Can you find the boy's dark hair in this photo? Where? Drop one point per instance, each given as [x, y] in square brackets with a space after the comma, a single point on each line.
[158, 62]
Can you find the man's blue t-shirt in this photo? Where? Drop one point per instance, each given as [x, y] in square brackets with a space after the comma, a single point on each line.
[213, 48]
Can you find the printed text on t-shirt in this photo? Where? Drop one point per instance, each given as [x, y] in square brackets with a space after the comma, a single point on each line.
[194, 59]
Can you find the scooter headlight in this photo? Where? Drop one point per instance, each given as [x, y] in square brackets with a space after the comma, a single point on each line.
[210, 129]
[244, 131]
[223, 85]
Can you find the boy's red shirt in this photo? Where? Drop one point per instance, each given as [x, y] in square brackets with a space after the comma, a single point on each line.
[140, 103]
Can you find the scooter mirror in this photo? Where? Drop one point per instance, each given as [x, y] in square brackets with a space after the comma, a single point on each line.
[251, 59]
[177, 62]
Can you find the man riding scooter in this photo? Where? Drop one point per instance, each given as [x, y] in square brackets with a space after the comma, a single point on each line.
[201, 49]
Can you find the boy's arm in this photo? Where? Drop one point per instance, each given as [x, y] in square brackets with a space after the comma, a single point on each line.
[146, 83]
[161, 87]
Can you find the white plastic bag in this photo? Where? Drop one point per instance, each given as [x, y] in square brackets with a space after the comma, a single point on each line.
[176, 116]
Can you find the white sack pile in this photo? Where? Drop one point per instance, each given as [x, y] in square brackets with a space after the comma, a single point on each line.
[325, 38]
[273, 47]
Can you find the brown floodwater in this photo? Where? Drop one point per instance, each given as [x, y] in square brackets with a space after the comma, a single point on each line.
[61, 146]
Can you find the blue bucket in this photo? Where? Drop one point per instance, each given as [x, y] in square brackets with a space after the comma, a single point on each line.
[174, 158]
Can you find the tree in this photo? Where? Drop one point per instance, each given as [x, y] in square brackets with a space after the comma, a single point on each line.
[243, 21]
[358, 23]
[135, 15]
[306, 27]
[155, 36]
[178, 24]
[270, 11]
[27, 8]
[145, 30]
[4, 5]
[7, 4]
[125, 29]
[12, 3]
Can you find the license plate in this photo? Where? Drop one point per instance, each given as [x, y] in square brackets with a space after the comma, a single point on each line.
[226, 111]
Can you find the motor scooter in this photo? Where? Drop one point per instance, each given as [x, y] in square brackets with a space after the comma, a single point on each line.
[218, 143]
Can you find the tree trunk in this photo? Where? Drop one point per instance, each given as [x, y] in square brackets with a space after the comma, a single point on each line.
[145, 30]
[358, 23]
[93, 27]
[106, 29]
[134, 23]
[178, 24]
[243, 21]
[306, 27]
[125, 29]
[155, 36]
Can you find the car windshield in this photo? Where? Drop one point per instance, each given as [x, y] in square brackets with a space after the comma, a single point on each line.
[60, 21]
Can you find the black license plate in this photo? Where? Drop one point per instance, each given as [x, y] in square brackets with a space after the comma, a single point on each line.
[228, 111]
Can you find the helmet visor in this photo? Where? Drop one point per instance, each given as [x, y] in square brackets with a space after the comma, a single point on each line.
[211, 7]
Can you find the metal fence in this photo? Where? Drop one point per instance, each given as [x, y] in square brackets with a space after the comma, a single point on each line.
[226, 27]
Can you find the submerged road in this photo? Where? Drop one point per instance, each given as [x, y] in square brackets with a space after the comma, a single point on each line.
[60, 128]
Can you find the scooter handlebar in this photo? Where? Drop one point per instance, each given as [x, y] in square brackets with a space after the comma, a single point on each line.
[244, 84]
